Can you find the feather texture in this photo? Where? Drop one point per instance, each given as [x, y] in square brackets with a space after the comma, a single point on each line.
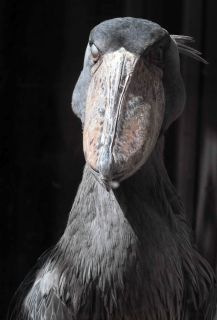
[127, 253]
[184, 47]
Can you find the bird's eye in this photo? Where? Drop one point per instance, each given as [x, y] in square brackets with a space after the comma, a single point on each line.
[95, 52]
[156, 56]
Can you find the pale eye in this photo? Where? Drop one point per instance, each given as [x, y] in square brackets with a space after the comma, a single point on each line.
[95, 52]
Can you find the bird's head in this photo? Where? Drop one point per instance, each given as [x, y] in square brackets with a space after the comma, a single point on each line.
[128, 93]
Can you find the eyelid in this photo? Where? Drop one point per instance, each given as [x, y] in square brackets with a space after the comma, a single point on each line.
[95, 52]
[91, 42]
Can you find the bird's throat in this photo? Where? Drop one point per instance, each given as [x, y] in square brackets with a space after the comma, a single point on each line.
[121, 243]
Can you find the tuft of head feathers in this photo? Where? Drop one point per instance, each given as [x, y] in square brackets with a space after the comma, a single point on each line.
[184, 47]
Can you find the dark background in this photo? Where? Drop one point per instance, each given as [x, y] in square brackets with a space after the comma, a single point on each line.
[42, 45]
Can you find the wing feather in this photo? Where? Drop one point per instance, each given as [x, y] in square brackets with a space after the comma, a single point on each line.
[44, 306]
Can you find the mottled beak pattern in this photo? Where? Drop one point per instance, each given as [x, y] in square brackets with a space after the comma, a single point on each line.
[124, 113]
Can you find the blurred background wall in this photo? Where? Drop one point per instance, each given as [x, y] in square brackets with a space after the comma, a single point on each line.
[42, 45]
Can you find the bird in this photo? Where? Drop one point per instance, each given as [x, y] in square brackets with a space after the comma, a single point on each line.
[128, 251]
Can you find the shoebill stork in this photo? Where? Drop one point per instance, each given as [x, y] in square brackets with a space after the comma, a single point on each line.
[127, 251]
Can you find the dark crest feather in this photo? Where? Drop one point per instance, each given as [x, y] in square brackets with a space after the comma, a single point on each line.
[184, 46]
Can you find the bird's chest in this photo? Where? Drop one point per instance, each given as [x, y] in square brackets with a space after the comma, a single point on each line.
[122, 265]
[124, 271]
[107, 246]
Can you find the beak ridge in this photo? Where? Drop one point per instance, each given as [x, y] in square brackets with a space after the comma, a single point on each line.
[120, 113]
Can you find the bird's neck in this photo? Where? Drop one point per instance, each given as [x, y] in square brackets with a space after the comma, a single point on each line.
[137, 229]
[148, 190]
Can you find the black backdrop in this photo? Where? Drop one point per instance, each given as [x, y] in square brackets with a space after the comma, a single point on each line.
[41, 51]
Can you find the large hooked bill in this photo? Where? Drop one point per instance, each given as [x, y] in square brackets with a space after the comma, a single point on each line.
[123, 117]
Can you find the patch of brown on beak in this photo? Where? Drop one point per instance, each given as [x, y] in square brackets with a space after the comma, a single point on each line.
[124, 113]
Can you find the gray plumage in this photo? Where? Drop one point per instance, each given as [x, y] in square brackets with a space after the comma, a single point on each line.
[126, 252]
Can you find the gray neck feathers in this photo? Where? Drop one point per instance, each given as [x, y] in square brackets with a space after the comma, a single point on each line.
[130, 250]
